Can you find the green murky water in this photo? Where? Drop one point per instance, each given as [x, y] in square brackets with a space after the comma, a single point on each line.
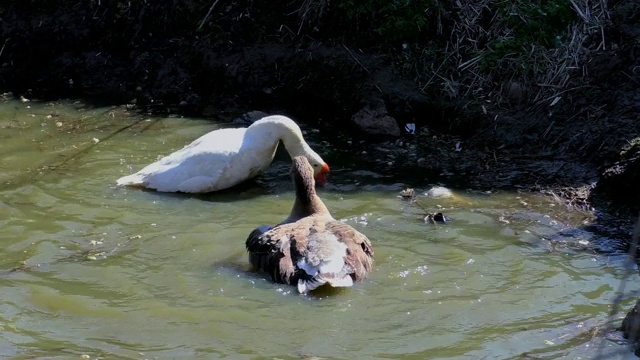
[127, 274]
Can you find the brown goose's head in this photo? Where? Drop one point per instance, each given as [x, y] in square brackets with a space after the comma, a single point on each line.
[307, 202]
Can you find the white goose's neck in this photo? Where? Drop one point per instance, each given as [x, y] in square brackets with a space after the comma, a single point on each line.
[286, 130]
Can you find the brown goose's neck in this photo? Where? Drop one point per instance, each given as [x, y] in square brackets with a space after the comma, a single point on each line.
[307, 200]
[308, 203]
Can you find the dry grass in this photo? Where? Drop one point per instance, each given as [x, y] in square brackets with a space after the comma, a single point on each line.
[310, 11]
[549, 75]
[463, 53]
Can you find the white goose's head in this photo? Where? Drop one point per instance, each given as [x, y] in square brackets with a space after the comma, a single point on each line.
[320, 167]
[289, 132]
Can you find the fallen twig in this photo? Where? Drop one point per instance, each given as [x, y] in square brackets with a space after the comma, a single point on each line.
[207, 16]
[354, 58]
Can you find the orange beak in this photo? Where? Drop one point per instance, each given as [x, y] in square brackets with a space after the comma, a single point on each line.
[321, 178]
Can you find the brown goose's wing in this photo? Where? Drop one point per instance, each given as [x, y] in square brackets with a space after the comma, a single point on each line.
[277, 250]
[359, 250]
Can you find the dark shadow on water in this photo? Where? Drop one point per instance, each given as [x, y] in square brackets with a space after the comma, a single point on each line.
[326, 290]
[247, 190]
[232, 265]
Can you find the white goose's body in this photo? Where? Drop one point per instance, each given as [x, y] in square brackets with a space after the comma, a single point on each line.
[224, 158]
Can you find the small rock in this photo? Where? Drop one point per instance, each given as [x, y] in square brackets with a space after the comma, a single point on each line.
[374, 119]
[617, 181]
[515, 92]
[250, 117]
[435, 218]
[631, 323]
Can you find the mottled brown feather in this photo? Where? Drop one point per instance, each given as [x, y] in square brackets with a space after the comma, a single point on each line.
[277, 250]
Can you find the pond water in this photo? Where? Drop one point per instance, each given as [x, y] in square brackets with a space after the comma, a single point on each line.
[89, 270]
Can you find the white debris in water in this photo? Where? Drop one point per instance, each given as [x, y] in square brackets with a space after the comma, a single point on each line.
[583, 242]
[470, 261]
[95, 140]
[439, 192]
[420, 270]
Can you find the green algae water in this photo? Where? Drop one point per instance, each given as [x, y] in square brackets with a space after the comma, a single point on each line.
[89, 270]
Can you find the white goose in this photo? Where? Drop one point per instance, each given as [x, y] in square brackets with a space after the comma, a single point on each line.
[223, 158]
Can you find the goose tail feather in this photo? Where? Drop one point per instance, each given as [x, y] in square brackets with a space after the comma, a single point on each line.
[306, 285]
[130, 180]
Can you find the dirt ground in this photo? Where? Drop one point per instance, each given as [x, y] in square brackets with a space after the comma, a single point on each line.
[132, 56]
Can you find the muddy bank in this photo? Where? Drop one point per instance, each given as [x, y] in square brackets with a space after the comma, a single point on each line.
[243, 57]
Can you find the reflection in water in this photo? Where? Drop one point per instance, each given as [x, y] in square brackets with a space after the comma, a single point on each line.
[125, 273]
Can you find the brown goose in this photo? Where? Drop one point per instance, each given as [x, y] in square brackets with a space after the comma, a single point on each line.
[310, 248]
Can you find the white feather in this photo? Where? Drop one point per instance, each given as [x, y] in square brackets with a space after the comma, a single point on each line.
[324, 262]
[223, 158]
